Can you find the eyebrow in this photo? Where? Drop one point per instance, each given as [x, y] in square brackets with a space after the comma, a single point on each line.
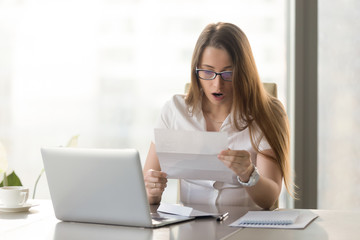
[209, 66]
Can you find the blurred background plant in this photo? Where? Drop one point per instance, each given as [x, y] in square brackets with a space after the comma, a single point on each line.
[73, 142]
[8, 180]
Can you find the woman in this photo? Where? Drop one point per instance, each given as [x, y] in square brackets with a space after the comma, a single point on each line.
[226, 94]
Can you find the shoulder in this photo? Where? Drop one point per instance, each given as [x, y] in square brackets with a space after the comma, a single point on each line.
[175, 104]
[277, 107]
[175, 113]
[179, 100]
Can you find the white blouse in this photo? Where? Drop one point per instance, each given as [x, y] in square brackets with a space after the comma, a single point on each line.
[176, 115]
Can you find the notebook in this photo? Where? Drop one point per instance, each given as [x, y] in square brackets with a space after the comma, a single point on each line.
[292, 219]
[103, 186]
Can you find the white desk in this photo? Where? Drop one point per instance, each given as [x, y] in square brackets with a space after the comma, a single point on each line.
[40, 223]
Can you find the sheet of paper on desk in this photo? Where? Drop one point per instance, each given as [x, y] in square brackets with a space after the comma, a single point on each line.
[192, 155]
[184, 211]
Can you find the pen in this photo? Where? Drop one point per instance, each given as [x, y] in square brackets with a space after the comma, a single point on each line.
[222, 217]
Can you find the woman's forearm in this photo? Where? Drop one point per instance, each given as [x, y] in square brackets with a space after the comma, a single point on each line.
[265, 193]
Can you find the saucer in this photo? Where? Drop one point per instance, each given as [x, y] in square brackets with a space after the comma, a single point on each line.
[22, 208]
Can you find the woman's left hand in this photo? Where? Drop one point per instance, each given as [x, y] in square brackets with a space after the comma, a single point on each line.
[239, 161]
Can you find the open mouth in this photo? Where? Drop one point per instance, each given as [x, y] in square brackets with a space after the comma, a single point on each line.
[217, 94]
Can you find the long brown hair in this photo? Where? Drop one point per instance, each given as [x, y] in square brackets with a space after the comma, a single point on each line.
[252, 106]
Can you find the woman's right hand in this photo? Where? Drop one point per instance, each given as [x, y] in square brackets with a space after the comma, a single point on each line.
[155, 184]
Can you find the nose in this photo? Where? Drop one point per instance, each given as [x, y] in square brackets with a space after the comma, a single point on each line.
[217, 81]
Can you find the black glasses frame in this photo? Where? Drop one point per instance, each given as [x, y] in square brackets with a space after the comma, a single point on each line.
[197, 70]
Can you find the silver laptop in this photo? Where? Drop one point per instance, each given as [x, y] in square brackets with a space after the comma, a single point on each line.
[100, 186]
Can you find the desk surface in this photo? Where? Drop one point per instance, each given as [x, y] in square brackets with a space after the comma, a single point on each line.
[40, 223]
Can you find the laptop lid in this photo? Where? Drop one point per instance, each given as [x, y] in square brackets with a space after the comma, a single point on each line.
[97, 185]
[100, 186]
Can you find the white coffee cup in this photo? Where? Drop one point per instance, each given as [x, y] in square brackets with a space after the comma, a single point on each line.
[13, 196]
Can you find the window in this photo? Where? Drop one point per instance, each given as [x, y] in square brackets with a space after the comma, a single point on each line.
[104, 69]
[339, 116]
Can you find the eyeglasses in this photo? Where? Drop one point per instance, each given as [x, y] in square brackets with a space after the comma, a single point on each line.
[210, 75]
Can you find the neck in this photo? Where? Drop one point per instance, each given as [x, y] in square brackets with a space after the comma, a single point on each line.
[216, 113]
[216, 109]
